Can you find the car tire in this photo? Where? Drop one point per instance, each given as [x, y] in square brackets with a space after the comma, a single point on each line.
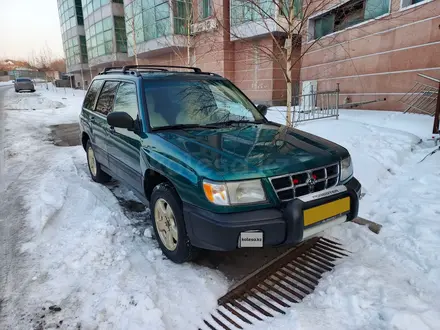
[97, 174]
[17, 91]
[32, 90]
[165, 193]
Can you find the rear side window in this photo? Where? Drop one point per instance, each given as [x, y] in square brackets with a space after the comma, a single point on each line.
[107, 97]
[126, 99]
[89, 100]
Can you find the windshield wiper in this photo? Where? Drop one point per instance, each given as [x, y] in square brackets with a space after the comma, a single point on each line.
[229, 122]
[181, 126]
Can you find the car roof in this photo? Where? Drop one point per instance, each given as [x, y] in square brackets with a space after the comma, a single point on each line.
[154, 72]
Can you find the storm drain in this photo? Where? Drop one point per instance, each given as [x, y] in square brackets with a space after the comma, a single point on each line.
[273, 288]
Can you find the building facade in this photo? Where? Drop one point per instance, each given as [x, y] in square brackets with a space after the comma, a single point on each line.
[73, 37]
[374, 49]
[375, 52]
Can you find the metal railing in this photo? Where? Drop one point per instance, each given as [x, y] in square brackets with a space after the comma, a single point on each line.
[421, 98]
[316, 105]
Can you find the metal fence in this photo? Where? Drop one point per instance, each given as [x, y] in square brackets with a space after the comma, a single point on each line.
[422, 98]
[316, 105]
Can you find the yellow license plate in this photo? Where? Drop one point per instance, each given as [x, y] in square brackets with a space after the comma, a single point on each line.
[326, 211]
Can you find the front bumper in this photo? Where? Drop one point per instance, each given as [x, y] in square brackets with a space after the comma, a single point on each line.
[214, 231]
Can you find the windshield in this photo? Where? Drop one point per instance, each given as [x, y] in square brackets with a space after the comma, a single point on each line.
[196, 102]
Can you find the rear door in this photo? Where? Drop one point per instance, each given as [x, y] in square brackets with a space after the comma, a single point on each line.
[104, 106]
[124, 145]
[88, 122]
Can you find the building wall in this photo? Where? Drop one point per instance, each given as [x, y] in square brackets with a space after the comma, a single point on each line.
[378, 59]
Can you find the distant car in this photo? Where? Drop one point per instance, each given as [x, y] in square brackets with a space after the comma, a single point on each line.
[24, 84]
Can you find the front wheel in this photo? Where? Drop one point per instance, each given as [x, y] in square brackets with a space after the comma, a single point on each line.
[169, 226]
[97, 174]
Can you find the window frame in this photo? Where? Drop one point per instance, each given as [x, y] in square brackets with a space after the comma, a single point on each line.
[413, 5]
[100, 93]
[311, 27]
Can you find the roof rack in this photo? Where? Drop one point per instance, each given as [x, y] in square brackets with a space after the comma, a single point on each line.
[108, 69]
[160, 67]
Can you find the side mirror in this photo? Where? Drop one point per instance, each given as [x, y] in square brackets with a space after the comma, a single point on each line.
[263, 109]
[121, 120]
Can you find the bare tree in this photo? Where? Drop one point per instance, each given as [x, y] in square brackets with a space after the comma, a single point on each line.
[135, 11]
[290, 24]
[186, 16]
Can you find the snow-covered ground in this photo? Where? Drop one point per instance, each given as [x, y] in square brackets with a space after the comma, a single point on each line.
[6, 83]
[81, 252]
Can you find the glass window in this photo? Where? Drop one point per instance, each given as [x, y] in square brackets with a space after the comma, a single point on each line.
[374, 8]
[108, 35]
[105, 101]
[162, 11]
[108, 47]
[324, 25]
[100, 38]
[107, 23]
[126, 99]
[89, 100]
[206, 9]
[101, 50]
[196, 102]
[96, 4]
[162, 28]
[147, 4]
[99, 27]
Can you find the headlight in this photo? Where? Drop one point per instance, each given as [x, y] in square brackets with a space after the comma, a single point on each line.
[346, 169]
[232, 193]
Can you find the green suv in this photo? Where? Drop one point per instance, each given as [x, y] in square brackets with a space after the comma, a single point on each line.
[215, 172]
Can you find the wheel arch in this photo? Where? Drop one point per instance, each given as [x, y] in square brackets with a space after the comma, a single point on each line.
[84, 138]
[153, 178]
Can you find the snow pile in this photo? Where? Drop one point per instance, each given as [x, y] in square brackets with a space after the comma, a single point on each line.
[105, 270]
[83, 254]
[31, 101]
[6, 83]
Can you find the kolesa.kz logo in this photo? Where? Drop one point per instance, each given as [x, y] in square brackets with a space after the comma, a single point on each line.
[252, 239]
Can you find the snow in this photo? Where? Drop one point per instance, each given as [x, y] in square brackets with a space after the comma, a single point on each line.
[6, 83]
[102, 265]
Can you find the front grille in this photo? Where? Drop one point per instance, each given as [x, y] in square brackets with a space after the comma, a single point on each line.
[290, 186]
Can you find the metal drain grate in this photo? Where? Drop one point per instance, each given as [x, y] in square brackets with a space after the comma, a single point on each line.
[284, 281]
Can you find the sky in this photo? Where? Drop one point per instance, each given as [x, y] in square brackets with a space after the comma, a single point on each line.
[26, 26]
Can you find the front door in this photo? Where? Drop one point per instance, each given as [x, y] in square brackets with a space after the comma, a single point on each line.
[124, 145]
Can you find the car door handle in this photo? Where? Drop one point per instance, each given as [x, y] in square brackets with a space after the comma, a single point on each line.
[92, 119]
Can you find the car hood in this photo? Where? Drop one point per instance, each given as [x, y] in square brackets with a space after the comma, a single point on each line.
[253, 150]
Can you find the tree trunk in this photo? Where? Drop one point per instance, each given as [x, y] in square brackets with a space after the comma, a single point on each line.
[289, 103]
[135, 51]
[289, 81]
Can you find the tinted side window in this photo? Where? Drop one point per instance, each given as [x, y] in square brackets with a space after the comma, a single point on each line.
[89, 100]
[126, 99]
[106, 98]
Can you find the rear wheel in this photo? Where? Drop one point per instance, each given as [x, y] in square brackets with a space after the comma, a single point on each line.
[96, 172]
[169, 226]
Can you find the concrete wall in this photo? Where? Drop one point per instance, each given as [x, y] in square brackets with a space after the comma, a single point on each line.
[380, 58]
